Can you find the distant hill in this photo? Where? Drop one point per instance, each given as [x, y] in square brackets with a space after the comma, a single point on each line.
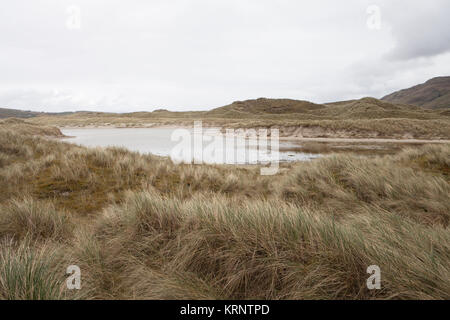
[262, 109]
[267, 106]
[13, 113]
[366, 108]
[433, 94]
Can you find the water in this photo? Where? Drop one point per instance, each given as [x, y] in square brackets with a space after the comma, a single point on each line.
[158, 141]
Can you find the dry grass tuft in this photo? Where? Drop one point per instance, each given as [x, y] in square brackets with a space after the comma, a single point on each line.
[29, 273]
[36, 220]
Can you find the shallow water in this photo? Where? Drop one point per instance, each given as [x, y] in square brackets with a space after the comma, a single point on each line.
[162, 142]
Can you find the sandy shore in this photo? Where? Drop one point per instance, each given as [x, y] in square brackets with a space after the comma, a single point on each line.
[374, 140]
[284, 138]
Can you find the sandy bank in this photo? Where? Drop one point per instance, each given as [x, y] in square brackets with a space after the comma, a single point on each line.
[299, 133]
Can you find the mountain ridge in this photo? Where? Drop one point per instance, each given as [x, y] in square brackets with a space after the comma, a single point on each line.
[432, 94]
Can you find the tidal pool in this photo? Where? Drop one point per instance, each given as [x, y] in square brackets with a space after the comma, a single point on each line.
[169, 142]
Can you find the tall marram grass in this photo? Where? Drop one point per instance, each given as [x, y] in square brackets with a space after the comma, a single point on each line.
[142, 227]
[344, 185]
[161, 248]
[29, 273]
[37, 220]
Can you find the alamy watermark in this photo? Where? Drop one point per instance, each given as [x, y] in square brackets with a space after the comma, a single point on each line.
[374, 17]
[74, 279]
[73, 21]
[229, 146]
[374, 281]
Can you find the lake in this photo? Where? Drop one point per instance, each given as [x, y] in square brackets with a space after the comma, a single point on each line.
[165, 141]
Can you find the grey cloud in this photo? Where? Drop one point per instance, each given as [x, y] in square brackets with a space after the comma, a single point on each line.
[420, 29]
[198, 54]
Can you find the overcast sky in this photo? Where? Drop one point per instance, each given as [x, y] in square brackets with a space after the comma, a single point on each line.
[118, 56]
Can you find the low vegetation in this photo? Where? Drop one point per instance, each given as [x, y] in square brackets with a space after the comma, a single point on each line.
[141, 227]
[364, 118]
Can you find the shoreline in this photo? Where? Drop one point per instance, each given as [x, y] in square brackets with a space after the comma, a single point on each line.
[374, 140]
[284, 138]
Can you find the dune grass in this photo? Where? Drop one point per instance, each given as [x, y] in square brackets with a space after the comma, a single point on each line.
[141, 227]
[30, 273]
[264, 250]
[364, 118]
[345, 184]
[32, 219]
